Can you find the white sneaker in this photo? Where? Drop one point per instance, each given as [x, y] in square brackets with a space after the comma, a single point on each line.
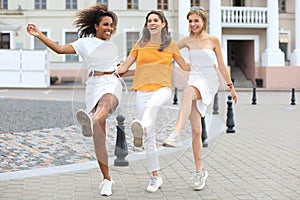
[138, 131]
[84, 119]
[173, 141]
[105, 187]
[155, 183]
[199, 180]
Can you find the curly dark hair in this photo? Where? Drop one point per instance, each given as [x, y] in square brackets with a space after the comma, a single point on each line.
[87, 18]
[165, 37]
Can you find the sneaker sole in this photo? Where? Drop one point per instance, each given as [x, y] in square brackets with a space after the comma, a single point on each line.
[137, 131]
[85, 122]
[197, 188]
[166, 144]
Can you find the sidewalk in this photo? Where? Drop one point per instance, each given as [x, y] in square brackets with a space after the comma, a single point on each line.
[260, 161]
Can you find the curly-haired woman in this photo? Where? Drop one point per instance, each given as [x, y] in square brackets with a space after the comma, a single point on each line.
[103, 89]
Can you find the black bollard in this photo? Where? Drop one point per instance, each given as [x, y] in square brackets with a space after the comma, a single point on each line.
[216, 105]
[293, 99]
[121, 150]
[230, 121]
[254, 97]
[204, 133]
[175, 99]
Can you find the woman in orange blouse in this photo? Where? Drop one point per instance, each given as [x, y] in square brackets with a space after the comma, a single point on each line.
[153, 54]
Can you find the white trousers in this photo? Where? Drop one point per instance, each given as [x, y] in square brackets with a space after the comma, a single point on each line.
[148, 105]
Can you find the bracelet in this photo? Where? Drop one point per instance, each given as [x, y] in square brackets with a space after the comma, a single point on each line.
[230, 87]
[229, 84]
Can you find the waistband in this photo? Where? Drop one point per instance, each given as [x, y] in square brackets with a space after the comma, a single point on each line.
[97, 73]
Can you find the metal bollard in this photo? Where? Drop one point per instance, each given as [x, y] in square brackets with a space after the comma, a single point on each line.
[216, 104]
[121, 150]
[254, 97]
[293, 99]
[204, 133]
[230, 121]
[175, 99]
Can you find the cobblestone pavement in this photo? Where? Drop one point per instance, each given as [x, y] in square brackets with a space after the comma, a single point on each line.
[259, 161]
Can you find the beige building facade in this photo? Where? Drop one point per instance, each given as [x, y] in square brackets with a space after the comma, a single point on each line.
[259, 37]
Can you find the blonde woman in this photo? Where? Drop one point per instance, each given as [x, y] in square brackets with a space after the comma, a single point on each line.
[205, 53]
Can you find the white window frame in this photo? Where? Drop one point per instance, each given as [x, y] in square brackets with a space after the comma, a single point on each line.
[225, 39]
[42, 30]
[131, 30]
[11, 38]
[63, 41]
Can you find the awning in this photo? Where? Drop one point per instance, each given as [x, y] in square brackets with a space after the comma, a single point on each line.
[283, 38]
[7, 25]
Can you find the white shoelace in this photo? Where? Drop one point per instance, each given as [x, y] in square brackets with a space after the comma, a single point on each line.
[122, 80]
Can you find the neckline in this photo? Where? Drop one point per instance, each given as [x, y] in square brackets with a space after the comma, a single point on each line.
[201, 49]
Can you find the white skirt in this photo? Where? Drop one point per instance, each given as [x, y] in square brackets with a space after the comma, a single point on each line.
[97, 86]
[207, 82]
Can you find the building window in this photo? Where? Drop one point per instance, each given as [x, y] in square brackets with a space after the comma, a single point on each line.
[38, 45]
[4, 41]
[40, 4]
[132, 4]
[105, 2]
[71, 37]
[71, 4]
[195, 3]
[3, 4]
[239, 3]
[162, 5]
[281, 6]
[131, 38]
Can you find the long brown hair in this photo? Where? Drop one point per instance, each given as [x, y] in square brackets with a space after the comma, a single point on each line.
[201, 12]
[87, 18]
[165, 37]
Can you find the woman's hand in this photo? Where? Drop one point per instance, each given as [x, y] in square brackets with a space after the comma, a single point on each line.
[33, 30]
[233, 93]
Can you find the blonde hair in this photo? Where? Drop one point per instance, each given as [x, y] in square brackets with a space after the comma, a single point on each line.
[201, 12]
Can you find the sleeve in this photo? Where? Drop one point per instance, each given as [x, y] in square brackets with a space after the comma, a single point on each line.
[175, 48]
[77, 45]
[134, 50]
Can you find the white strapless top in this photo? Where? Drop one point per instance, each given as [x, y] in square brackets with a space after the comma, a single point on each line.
[202, 57]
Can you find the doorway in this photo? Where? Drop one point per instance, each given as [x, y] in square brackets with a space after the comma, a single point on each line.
[4, 41]
[240, 58]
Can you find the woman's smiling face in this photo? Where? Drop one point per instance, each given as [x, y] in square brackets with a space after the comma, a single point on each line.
[196, 23]
[105, 28]
[154, 24]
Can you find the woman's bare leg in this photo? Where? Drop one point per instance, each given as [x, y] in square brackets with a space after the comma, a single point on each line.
[195, 119]
[190, 94]
[106, 104]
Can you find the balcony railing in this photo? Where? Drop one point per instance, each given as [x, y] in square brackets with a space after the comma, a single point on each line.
[244, 17]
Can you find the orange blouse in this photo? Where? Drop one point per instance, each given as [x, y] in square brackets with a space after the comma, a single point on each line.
[153, 67]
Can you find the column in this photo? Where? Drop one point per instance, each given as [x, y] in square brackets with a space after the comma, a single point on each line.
[295, 57]
[273, 56]
[179, 76]
[215, 23]
[183, 25]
